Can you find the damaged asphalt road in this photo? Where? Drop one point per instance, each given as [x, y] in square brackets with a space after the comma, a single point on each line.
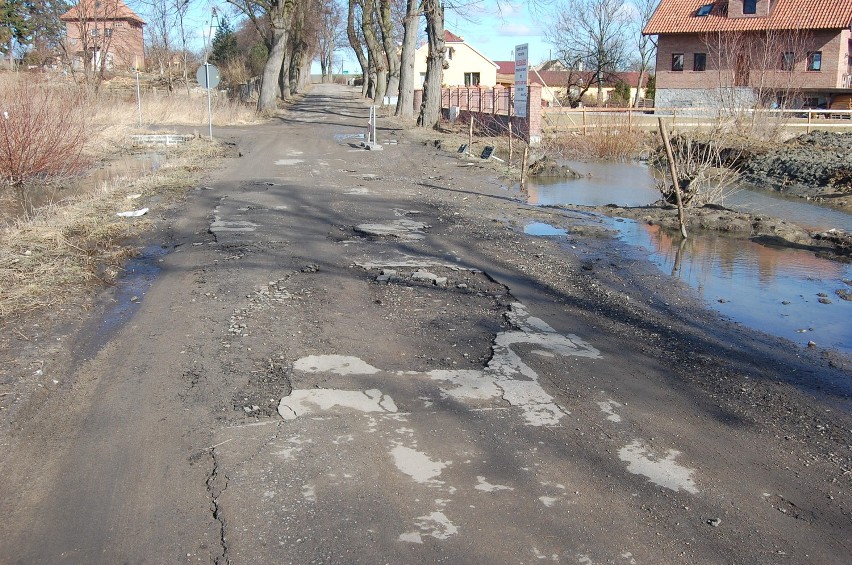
[358, 356]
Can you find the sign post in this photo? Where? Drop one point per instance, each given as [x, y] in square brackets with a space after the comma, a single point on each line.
[521, 79]
[208, 77]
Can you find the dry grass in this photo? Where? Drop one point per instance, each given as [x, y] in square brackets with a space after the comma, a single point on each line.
[64, 249]
[609, 137]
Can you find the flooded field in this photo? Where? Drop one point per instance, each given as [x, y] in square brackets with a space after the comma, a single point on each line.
[130, 166]
[784, 292]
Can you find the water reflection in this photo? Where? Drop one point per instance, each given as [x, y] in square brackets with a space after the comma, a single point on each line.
[633, 184]
[624, 184]
[775, 290]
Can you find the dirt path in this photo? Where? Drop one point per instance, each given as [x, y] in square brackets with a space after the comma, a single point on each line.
[358, 356]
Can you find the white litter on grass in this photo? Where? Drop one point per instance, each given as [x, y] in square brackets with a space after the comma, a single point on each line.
[662, 471]
[337, 364]
[300, 402]
[133, 196]
[133, 213]
[418, 465]
[488, 487]
[289, 161]
[607, 408]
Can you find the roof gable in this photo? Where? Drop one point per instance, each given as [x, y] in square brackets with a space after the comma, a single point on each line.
[679, 16]
[101, 10]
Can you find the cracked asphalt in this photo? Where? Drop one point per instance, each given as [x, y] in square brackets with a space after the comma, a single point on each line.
[354, 356]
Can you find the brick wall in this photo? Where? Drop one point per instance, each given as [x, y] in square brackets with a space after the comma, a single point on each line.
[719, 70]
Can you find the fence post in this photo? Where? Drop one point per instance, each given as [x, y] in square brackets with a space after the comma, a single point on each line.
[584, 121]
[809, 122]
[629, 120]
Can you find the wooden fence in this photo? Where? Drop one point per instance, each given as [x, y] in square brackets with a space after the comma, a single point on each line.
[583, 120]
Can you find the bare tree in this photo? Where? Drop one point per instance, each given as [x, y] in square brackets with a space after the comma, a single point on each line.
[91, 40]
[591, 36]
[386, 24]
[278, 15]
[755, 71]
[646, 45]
[405, 102]
[331, 15]
[352, 27]
[430, 110]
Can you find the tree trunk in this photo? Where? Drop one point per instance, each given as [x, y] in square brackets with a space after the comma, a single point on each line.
[386, 23]
[269, 88]
[284, 75]
[355, 43]
[377, 55]
[639, 86]
[430, 110]
[405, 102]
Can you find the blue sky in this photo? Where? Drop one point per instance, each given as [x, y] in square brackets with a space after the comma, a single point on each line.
[493, 29]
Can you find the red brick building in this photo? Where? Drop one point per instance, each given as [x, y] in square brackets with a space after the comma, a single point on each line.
[104, 34]
[792, 53]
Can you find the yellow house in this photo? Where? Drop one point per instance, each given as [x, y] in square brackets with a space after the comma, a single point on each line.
[463, 65]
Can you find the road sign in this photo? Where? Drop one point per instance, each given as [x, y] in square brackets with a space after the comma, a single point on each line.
[521, 79]
[207, 76]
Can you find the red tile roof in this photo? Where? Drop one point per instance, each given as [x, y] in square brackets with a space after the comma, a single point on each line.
[678, 16]
[451, 37]
[101, 10]
[505, 67]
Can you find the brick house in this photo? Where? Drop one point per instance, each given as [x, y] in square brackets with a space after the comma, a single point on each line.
[104, 34]
[790, 53]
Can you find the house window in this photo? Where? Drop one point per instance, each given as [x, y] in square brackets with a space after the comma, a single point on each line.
[471, 79]
[95, 32]
[815, 61]
[699, 62]
[704, 10]
[677, 61]
[749, 6]
[450, 52]
[108, 32]
[788, 61]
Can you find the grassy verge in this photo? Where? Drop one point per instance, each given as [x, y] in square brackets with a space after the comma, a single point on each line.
[65, 249]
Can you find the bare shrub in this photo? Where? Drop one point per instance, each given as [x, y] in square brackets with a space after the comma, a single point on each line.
[608, 137]
[707, 171]
[43, 132]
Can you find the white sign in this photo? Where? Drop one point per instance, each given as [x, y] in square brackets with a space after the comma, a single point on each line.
[521, 76]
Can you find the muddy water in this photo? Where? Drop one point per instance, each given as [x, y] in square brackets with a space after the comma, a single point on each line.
[131, 166]
[624, 184]
[631, 184]
[774, 290]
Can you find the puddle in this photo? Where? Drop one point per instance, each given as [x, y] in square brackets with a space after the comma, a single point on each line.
[633, 184]
[130, 166]
[774, 290]
[139, 274]
[345, 136]
[624, 184]
[538, 228]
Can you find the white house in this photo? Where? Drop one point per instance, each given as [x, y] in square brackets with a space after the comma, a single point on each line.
[465, 66]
